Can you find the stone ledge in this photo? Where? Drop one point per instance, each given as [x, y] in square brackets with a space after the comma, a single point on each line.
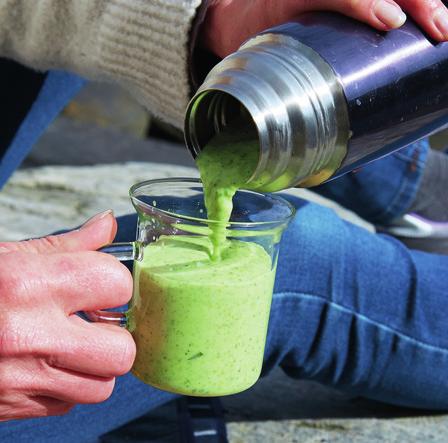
[341, 431]
[37, 201]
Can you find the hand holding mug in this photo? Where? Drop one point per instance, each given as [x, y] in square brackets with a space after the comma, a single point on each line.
[51, 359]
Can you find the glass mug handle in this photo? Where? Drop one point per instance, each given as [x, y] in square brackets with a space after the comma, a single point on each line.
[123, 252]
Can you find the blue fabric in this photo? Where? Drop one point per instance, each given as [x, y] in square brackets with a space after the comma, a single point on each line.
[360, 312]
[382, 190]
[58, 89]
[351, 309]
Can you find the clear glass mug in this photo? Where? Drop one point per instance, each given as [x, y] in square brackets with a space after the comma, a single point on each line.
[199, 325]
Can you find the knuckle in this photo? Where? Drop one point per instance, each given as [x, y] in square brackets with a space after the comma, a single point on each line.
[127, 282]
[432, 5]
[14, 340]
[65, 263]
[51, 242]
[127, 352]
[103, 391]
[118, 272]
[124, 276]
[121, 281]
[109, 277]
[10, 280]
[114, 353]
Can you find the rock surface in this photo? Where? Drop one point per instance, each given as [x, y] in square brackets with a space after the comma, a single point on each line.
[108, 106]
[341, 431]
[37, 201]
[42, 200]
[279, 409]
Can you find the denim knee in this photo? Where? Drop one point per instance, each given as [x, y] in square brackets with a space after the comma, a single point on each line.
[312, 251]
[382, 190]
[360, 312]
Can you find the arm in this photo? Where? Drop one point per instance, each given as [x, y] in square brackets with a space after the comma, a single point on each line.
[140, 44]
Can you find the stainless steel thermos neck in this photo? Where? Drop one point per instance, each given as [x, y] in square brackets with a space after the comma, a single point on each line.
[326, 95]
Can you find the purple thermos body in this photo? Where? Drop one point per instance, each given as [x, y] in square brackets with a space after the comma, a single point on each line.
[325, 95]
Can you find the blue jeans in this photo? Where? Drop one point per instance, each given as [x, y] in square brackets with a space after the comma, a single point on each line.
[384, 189]
[353, 310]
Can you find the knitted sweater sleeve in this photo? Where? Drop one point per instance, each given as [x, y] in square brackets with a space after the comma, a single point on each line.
[141, 44]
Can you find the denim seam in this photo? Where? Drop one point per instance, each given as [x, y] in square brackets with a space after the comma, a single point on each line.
[364, 318]
[407, 158]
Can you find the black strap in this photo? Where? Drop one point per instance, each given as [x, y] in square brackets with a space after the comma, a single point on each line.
[201, 420]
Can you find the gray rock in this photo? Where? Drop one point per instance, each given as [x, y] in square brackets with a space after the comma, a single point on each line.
[281, 409]
[108, 106]
[341, 431]
[38, 201]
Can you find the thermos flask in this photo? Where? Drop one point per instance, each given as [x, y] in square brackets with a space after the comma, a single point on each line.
[325, 94]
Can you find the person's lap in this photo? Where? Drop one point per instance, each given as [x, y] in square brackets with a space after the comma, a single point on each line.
[360, 312]
[383, 190]
[351, 309]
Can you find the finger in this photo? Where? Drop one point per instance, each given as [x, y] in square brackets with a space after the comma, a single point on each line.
[47, 406]
[381, 14]
[73, 387]
[95, 349]
[33, 376]
[100, 350]
[72, 281]
[95, 233]
[431, 15]
[72, 343]
[16, 406]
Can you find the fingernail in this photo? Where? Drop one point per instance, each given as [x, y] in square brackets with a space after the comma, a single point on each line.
[390, 14]
[441, 21]
[97, 217]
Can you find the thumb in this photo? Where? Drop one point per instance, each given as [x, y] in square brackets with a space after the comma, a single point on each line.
[99, 231]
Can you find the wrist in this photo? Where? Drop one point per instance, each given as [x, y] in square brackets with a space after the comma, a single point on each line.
[202, 57]
[205, 25]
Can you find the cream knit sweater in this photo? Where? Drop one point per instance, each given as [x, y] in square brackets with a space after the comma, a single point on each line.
[141, 44]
